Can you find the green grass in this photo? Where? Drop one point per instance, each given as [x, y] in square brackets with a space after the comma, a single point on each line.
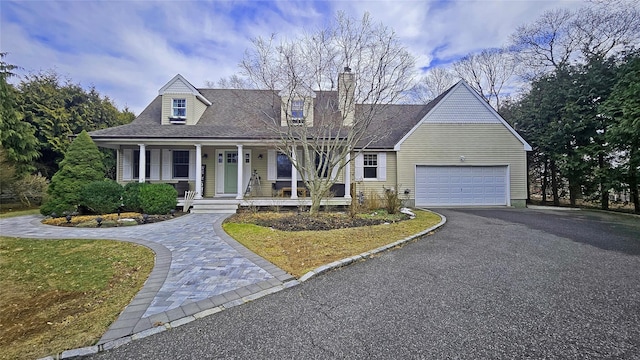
[63, 294]
[12, 213]
[298, 252]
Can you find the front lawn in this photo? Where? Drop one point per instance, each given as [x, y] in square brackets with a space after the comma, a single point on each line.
[64, 294]
[298, 252]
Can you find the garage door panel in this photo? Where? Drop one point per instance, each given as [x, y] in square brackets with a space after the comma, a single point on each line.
[461, 185]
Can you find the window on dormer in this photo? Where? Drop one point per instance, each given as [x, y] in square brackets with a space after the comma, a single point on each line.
[179, 108]
[297, 111]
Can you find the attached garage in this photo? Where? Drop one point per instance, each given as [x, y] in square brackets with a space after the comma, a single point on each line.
[461, 185]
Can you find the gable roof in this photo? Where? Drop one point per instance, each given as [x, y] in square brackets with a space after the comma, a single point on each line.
[180, 85]
[239, 114]
[461, 104]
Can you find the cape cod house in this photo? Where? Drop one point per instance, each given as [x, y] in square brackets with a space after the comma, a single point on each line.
[455, 150]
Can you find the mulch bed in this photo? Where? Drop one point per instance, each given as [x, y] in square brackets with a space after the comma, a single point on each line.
[302, 222]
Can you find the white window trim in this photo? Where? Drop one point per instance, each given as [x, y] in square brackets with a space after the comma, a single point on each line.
[174, 108]
[381, 169]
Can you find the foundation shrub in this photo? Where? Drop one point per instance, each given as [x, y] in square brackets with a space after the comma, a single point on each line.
[131, 196]
[102, 197]
[158, 198]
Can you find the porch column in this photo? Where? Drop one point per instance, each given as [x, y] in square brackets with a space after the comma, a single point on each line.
[294, 174]
[142, 164]
[240, 166]
[347, 176]
[198, 171]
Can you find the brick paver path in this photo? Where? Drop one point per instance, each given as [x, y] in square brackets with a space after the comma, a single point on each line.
[197, 266]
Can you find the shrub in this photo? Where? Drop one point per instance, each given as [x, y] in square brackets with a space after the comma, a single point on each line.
[30, 188]
[372, 201]
[102, 197]
[392, 201]
[81, 165]
[56, 206]
[158, 198]
[131, 196]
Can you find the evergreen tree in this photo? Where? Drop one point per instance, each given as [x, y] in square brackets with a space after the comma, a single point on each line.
[17, 136]
[623, 108]
[82, 164]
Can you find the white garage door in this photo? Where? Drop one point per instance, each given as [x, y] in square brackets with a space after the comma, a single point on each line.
[461, 185]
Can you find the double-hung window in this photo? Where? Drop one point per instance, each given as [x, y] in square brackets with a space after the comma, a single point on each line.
[179, 108]
[297, 111]
[283, 166]
[136, 164]
[180, 164]
[322, 165]
[370, 166]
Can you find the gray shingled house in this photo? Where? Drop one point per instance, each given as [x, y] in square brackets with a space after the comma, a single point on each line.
[454, 151]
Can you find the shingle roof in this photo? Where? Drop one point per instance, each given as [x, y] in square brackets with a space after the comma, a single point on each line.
[243, 114]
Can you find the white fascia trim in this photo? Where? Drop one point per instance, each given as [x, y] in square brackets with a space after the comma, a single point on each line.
[424, 118]
[526, 145]
[192, 88]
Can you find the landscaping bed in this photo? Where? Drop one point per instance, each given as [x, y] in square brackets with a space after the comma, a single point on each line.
[109, 220]
[291, 221]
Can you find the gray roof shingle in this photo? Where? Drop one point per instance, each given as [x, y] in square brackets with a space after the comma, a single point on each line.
[244, 115]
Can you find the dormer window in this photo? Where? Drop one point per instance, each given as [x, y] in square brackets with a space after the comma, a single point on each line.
[297, 111]
[179, 108]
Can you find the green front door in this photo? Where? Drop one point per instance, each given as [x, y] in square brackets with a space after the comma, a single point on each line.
[231, 172]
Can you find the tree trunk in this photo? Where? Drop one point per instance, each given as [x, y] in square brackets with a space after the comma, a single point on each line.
[604, 190]
[574, 189]
[554, 182]
[633, 179]
[544, 182]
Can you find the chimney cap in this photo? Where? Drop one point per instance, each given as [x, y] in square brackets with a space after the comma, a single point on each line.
[347, 69]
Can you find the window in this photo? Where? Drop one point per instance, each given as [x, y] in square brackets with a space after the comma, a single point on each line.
[179, 108]
[283, 166]
[297, 111]
[181, 164]
[322, 167]
[370, 166]
[136, 164]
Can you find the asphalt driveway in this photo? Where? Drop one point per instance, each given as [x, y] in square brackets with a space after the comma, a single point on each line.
[492, 283]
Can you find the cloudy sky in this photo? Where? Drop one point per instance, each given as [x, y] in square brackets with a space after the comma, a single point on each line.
[130, 49]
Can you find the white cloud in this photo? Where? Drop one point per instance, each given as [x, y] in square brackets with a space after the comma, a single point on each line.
[128, 50]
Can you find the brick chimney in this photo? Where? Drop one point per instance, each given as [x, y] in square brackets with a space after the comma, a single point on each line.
[346, 96]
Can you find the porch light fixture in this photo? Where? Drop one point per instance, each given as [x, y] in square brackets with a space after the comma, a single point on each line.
[205, 156]
[259, 156]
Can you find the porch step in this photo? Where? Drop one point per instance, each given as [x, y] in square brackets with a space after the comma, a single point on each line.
[215, 206]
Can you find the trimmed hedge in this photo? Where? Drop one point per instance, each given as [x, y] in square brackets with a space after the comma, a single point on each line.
[158, 198]
[131, 196]
[102, 197]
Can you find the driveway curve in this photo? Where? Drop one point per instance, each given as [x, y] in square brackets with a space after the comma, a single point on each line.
[197, 267]
[490, 284]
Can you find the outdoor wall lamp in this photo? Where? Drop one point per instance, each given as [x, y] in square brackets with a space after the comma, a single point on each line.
[462, 158]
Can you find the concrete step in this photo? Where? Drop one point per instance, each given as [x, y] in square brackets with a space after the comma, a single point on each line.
[217, 206]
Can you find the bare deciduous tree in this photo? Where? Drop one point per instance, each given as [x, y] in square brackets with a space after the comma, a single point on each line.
[546, 44]
[433, 83]
[487, 72]
[561, 36]
[367, 66]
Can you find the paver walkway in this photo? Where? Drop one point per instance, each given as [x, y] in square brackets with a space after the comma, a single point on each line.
[198, 267]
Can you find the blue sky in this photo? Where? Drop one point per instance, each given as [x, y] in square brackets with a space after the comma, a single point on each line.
[129, 49]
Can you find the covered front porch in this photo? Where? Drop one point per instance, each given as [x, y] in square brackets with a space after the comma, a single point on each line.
[225, 176]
